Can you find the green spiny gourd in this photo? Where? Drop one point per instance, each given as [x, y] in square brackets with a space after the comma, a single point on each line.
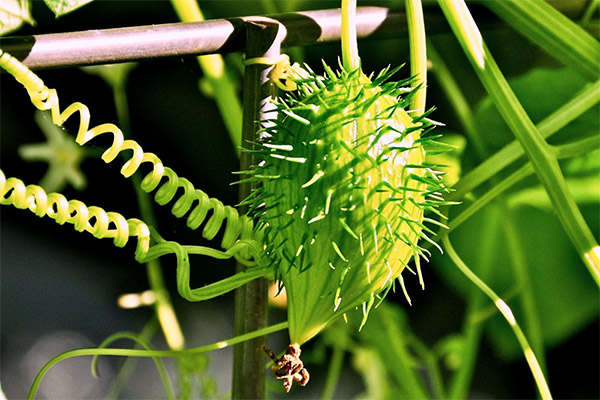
[344, 189]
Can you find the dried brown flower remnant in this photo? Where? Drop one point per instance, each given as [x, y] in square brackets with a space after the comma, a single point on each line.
[289, 367]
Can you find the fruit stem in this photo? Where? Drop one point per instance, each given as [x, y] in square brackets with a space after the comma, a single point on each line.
[418, 52]
[350, 58]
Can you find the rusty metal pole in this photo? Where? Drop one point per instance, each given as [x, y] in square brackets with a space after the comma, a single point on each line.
[263, 39]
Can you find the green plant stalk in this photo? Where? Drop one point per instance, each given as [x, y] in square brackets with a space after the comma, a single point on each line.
[451, 88]
[333, 372]
[553, 32]
[457, 100]
[151, 353]
[582, 102]
[350, 58]
[418, 53]
[403, 370]
[506, 312]
[589, 12]
[213, 68]
[473, 329]
[539, 152]
[516, 255]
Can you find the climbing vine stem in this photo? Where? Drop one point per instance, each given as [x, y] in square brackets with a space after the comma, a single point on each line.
[350, 58]
[418, 53]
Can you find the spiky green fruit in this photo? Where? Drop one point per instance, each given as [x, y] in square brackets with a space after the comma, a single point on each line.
[342, 196]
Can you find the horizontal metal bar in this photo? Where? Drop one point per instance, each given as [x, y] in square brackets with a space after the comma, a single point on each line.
[178, 39]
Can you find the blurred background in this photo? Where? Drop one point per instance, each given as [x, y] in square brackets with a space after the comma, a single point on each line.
[59, 288]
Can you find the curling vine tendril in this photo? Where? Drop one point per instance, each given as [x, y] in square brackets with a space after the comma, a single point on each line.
[239, 237]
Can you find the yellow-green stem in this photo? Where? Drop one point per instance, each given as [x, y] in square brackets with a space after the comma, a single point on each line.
[350, 58]
[506, 312]
[418, 52]
[333, 374]
[516, 254]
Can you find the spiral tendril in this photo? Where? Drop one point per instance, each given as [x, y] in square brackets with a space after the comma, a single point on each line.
[240, 240]
[103, 224]
[94, 220]
[193, 201]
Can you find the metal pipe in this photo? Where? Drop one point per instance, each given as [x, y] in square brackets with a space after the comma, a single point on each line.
[107, 46]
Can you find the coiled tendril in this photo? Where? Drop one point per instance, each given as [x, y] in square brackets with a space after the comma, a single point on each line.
[238, 237]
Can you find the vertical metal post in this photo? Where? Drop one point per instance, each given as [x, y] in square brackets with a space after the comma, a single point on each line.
[263, 39]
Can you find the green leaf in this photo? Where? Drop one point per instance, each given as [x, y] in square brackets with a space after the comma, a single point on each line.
[62, 7]
[13, 13]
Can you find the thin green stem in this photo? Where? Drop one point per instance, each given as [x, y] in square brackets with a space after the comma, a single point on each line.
[404, 371]
[516, 255]
[116, 387]
[452, 90]
[538, 151]
[350, 58]
[589, 12]
[150, 353]
[432, 365]
[418, 53]
[532, 322]
[506, 312]
[472, 328]
[139, 341]
[513, 247]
